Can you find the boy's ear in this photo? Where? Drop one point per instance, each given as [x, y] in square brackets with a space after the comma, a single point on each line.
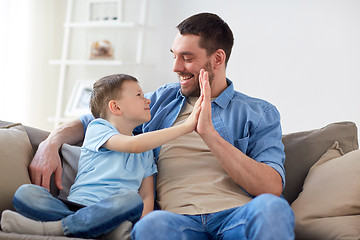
[114, 107]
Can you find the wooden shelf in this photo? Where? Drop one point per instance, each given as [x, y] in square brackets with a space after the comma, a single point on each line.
[88, 62]
[70, 28]
[102, 24]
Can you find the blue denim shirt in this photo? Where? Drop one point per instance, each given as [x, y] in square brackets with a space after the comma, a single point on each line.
[252, 125]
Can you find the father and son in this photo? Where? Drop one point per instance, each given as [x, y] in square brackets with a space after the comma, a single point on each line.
[214, 155]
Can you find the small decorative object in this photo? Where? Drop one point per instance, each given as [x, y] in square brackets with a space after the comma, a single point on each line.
[104, 10]
[80, 98]
[101, 49]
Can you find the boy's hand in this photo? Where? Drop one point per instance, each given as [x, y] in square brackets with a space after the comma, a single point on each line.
[192, 120]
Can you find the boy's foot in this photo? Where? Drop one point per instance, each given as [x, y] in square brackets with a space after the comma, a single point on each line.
[16, 223]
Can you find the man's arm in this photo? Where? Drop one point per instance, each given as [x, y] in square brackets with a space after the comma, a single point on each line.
[255, 177]
[47, 160]
[146, 192]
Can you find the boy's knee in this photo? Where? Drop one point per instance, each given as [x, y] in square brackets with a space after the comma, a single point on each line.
[26, 191]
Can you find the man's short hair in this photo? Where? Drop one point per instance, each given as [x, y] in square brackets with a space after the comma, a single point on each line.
[214, 32]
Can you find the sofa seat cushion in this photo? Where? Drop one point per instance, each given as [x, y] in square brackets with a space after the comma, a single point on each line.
[329, 205]
[15, 155]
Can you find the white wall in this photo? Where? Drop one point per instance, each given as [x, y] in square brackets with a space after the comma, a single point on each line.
[301, 55]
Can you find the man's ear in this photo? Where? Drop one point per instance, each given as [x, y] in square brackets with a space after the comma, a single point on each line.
[219, 58]
[114, 107]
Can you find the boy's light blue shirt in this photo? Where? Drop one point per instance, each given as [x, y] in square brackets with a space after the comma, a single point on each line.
[102, 172]
[252, 125]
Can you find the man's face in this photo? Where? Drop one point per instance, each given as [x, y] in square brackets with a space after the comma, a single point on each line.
[189, 59]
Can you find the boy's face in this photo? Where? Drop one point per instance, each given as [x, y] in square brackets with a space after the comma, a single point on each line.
[189, 59]
[133, 104]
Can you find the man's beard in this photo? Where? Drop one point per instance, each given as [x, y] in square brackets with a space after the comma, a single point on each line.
[195, 92]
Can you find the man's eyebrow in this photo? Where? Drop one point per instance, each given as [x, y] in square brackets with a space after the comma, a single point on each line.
[183, 53]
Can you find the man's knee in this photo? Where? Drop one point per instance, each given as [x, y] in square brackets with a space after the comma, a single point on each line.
[271, 205]
[151, 225]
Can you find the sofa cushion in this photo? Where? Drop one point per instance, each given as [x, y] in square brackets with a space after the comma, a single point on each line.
[70, 158]
[303, 149]
[329, 205]
[15, 155]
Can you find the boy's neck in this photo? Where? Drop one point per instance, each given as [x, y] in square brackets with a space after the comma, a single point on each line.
[122, 126]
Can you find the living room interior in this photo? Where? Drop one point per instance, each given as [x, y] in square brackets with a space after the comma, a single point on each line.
[302, 56]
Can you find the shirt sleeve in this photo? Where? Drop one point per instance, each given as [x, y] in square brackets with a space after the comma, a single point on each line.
[151, 168]
[265, 143]
[99, 131]
[85, 120]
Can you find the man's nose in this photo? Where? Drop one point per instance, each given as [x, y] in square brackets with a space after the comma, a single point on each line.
[178, 65]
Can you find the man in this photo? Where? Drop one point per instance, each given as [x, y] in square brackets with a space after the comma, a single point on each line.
[222, 181]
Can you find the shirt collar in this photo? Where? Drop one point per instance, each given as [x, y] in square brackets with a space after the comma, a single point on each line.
[225, 97]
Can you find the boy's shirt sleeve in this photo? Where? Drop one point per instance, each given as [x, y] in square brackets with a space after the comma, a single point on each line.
[99, 131]
[151, 168]
[85, 120]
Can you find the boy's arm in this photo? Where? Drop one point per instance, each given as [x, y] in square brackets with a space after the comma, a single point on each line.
[146, 192]
[150, 140]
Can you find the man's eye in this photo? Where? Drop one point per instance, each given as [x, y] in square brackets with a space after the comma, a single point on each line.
[187, 59]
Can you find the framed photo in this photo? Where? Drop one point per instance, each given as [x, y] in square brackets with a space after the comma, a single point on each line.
[101, 49]
[80, 98]
[104, 10]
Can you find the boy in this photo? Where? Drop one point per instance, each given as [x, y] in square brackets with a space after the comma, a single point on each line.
[115, 177]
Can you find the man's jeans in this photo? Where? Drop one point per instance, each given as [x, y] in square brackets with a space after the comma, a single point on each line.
[37, 203]
[265, 217]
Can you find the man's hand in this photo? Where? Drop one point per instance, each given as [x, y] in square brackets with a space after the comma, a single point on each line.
[46, 162]
[204, 125]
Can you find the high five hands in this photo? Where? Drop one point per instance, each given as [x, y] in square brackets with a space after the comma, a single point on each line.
[200, 118]
[204, 124]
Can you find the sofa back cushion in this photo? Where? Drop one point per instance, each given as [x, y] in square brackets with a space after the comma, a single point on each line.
[329, 205]
[15, 155]
[303, 150]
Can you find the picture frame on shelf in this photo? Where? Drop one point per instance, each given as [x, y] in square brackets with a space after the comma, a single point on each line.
[101, 49]
[104, 10]
[79, 99]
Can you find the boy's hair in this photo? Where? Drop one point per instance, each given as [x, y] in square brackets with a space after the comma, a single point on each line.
[214, 32]
[105, 90]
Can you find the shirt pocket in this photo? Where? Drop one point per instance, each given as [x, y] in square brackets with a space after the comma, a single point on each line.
[242, 144]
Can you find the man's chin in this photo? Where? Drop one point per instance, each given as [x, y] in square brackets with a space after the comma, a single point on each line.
[187, 93]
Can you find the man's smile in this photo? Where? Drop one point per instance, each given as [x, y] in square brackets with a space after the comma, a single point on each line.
[185, 79]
